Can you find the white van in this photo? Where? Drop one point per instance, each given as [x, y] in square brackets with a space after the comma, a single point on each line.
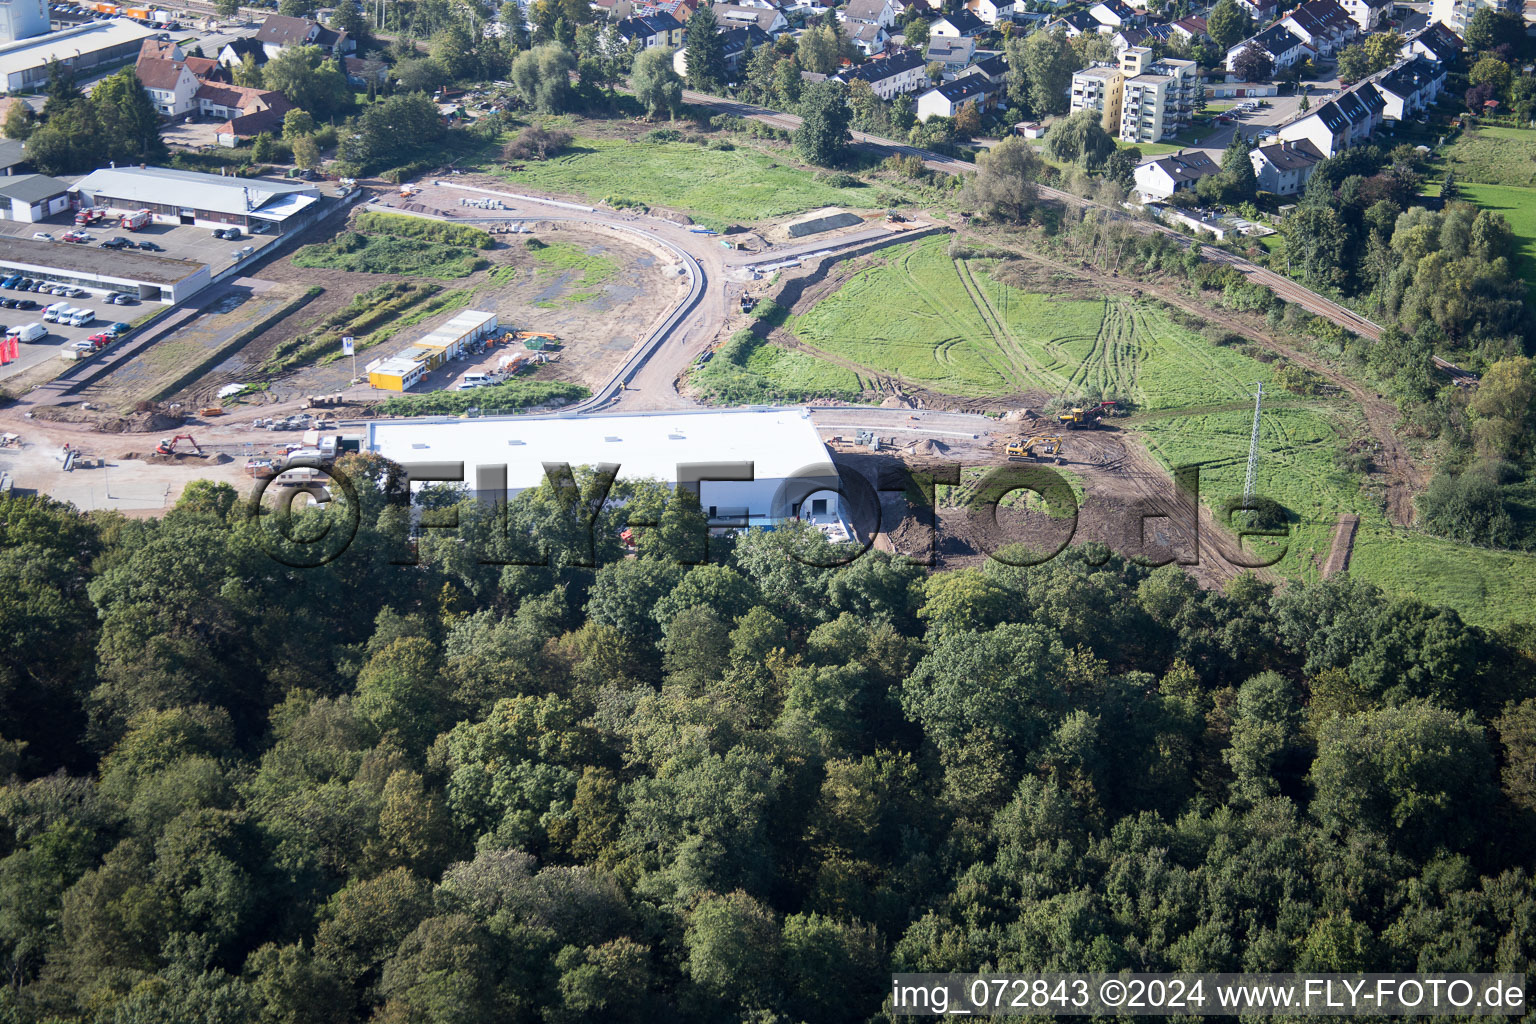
[475, 380]
[29, 332]
[81, 317]
[51, 313]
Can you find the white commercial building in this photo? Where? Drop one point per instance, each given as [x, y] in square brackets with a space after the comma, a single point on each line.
[149, 278]
[22, 19]
[1457, 14]
[751, 467]
[24, 63]
[192, 197]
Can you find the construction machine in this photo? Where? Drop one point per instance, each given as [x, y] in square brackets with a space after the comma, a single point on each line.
[167, 446]
[1079, 418]
[1033, 448]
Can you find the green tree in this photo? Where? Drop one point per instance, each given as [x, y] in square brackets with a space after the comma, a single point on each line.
[1080, 138]
[704, 55]
[733, 947]
[542, 77]
[1227, 24]
[655, 82]
[1492, 72]
[20, 121]
[1048, 65]
[309, 80]
[1004, 185]
[822, 137]
[297, 124]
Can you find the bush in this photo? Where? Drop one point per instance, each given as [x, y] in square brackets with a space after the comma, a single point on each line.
[403, 226]
[514, 394]
[663, 135]
[837, 179]
[533, 244]
[728, 123]
[624, 203]
[535, 143]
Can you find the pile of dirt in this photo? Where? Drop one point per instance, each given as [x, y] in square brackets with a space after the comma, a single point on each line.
[896, 402]
[106, 422]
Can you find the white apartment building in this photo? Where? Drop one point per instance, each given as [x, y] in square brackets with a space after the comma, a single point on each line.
[1455, 14]
[1158, 97]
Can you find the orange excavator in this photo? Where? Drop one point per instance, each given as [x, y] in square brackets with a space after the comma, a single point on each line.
[168, 445]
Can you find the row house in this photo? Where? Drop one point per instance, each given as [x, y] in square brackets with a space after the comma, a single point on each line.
[948, 98]
[1283, 47]
[1323, 25]
[898, 72]
[1284, 167]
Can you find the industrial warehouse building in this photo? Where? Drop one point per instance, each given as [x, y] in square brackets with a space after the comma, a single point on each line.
[207, 200]
[405, 369]
[32, 197]
[150, 278]
[790, 470]
[24, 63]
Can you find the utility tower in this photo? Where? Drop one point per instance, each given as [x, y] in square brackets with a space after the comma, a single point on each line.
[1253, 446]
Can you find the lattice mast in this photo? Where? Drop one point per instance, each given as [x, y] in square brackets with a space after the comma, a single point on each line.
[1253, 446]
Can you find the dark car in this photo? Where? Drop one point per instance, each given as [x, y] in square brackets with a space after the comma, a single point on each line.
[116, 242]
[148, 246]
[8, 303]
[25, 304]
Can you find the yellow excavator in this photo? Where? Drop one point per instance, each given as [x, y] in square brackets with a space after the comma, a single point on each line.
[1031, 448]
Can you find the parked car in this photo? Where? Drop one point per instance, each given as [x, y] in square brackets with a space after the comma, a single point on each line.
[82, 317]
[125, 300]
[42, 236]
[147, 246]
[73, 291]
[116, 242]
[119, 329]
[25, 304]
[8, 303]
[28, 332]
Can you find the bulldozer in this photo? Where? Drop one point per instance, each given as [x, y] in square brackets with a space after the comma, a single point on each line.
[1079, 418]
[1031, 448]
[167, 446]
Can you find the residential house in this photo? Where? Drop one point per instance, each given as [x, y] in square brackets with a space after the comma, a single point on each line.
[993, 67]
[1113, 14]
[1284, 167]
[868, 39]
[952, 55]
[280, 31]
[1283, 46]
[1325, 127]
[172, 88]
[1191, 30]
[947, 99]
[1261, 11]
[247, 112]
[873, 12]
[992, 12]
[901, 71]
[236, 50]
[1323, 25]
[1131, 35]
[360, 71]
[769, 20]
[734, 44]
[1368, 14]
[1409, 87]
[1073, 23]
[1158, 96]
[1364, 106]
[1434, 43]
[653, 30]
[960, 25]
[1177, 172]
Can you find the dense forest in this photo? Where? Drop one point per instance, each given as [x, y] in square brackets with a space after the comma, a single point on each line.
[420, 783]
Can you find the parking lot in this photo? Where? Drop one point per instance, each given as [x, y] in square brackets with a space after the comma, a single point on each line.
[47, 348]
[180, 241]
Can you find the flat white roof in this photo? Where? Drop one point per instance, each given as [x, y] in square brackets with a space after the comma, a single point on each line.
[780, 442]
[67, 44]
[168, 186]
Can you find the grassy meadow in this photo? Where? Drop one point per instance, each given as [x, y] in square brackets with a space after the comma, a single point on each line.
[718, 187]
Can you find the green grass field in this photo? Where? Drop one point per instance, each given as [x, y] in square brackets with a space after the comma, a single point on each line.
[1296, 468]
[947, 325]
[717, 187]
[747, 370]
[389, 254]
[1518, 205]
[1492, 156]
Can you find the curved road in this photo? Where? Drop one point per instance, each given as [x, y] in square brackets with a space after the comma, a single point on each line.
[1282, 286]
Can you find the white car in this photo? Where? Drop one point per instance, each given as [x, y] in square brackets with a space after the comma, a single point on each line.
[82, 317]
[42, 236]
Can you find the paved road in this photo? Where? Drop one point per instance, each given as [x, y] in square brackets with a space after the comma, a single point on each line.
[645, 380]
[1284, 287]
